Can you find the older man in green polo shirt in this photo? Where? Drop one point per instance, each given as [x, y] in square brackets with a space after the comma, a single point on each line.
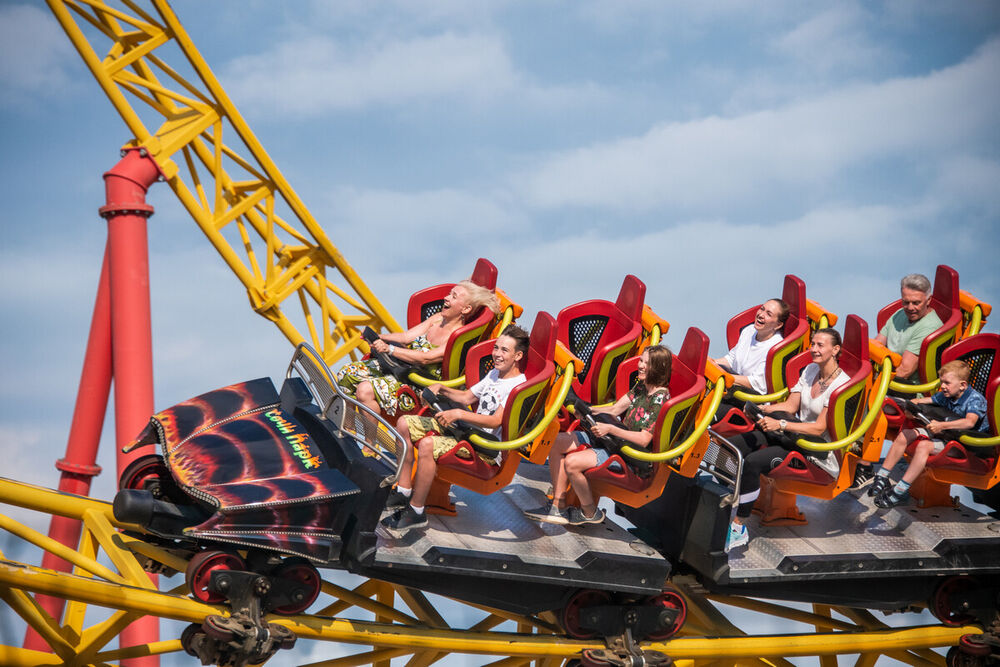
[906, 329]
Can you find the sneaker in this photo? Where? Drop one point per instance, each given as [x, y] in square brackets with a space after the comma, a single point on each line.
[863, 476]
[738, 536]
[891, 499]
[549, 514]
[829, 463]
[402, 521]
[881, 484]
[396, 500]
[576, 517]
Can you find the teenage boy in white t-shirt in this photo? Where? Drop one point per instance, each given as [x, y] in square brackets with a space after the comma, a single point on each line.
[491, 392]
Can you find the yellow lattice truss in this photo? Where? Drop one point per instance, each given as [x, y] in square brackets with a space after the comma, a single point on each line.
[152, 73]
[368, 620]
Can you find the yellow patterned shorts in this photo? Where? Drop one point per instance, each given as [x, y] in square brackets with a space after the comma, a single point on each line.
[420, 426]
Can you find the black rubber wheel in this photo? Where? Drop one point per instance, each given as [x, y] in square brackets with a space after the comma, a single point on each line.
[199, 573]
[187, 637]
[305, 577]
[570, 615]
[940, 603]
[669, 599]
[148, 472]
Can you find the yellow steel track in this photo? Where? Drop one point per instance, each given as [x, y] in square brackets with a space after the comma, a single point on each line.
[180, 115]
[370, 617]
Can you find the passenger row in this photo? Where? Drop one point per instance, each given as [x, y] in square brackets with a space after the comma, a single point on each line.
[805, 410]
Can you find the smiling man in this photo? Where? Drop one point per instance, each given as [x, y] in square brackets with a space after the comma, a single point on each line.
[906, 329]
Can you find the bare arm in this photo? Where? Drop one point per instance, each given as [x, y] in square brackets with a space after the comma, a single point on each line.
[641, 438]
[798, 428]
[790, 404]
[907, 366]
[969, 421]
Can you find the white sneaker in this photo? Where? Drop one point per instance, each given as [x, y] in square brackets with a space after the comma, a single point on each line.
[738, 536]
[828, 463]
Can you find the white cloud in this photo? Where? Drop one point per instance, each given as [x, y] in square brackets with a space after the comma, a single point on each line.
[426, 227]
[833, 40]
[33, 55]
[314, 74]
[713, 161]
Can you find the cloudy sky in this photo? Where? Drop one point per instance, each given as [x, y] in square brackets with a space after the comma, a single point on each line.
[709, 150]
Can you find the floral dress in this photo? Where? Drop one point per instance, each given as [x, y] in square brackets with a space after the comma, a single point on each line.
[384, 386]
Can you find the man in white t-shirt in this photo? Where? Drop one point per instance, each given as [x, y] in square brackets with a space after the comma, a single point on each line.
[427, 432]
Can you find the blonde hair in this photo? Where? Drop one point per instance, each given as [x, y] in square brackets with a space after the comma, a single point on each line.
[958, 368]
[479, 297]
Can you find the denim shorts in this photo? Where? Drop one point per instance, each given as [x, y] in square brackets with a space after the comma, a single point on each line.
[583, 438]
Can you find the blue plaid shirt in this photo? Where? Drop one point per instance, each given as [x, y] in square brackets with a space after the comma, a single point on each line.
[970, 401]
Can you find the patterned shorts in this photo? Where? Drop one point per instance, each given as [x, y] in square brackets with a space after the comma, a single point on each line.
[420, 426]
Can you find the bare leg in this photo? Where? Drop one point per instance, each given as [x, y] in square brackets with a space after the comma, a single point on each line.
[575, 465]
[919, 460]
[406, 468]
[557, 471]
[364, 393]
[426, 470]
[898, 448]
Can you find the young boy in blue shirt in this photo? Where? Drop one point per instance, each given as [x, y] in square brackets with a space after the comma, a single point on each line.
[967, 408]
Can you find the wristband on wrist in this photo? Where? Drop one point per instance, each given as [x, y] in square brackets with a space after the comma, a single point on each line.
[392, 349]
[782, 424]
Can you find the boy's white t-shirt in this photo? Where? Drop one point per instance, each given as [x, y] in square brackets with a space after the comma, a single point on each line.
[492, 393]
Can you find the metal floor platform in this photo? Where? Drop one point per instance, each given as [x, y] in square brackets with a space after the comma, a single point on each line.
[490, 538]
[850, 535]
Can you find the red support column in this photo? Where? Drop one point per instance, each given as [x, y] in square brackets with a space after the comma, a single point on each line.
[120, 345]
[80, 463]
[131, 329]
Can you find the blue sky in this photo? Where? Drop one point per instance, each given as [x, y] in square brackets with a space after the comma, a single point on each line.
[708, 148]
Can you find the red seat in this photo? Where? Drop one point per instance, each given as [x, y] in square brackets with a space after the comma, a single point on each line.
[522, 412]
[794, 336]
[602, 335]
[797, 475]
[970, 462]
[430, 300]
[677, 416]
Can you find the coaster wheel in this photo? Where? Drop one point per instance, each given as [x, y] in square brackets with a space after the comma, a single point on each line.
[187, 639]
[148, 472]
[940, 603]
[669, 599]
[199, 573]
[957, 657]
[306, 584]
[570, 615]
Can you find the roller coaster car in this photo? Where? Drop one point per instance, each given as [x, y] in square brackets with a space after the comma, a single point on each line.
[635, 482]
[945, 302]
[602, 335]
[522, 411]
[302, 473]
[798, 474]
[794, 334]
[971, 461]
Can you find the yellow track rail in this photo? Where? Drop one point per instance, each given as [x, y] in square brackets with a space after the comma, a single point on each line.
[221, 173]
[421, 632]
